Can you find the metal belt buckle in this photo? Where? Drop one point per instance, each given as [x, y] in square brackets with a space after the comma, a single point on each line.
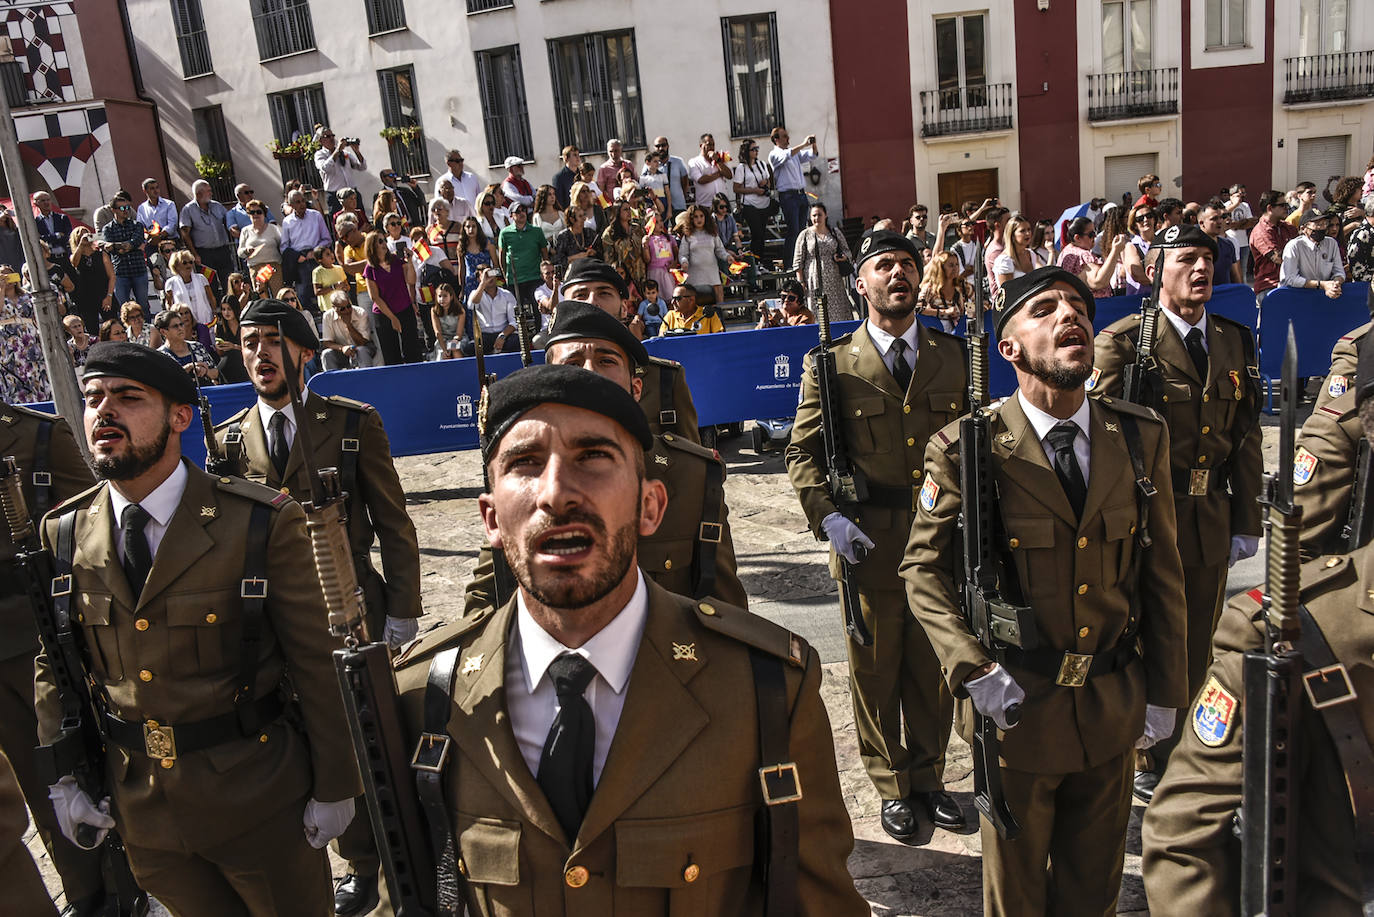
[788, 770]
[915, 498]
[1197, 481]
[233, 439]
[1073, 671]
[710, 531]
[42, 479]
[252, 587]
[1321, 690]
[159, 741]
[61, 585]
[431, 753]
[1146, 487]
[667, 418]
[349, 445]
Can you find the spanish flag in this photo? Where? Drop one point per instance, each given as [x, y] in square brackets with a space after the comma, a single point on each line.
[265, 273]
[208, 273]
[157, 229]
[436, 234]
[422, 250]
[427, 294]
[678, 276]
[738, 267]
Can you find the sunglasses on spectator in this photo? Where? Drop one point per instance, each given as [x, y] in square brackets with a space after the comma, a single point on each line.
[459, 159]
[288, 299]
[790, 297]
[256, 213]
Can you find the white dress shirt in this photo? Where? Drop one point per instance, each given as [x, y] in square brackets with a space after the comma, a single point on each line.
[883, 341]
[1042, 423]
[696, 168]
[160, 505]
[1305, 260]
[334, 171]
[530, 695]
[495, 313]
[467, 186]
[265, 412]
[1182, 327]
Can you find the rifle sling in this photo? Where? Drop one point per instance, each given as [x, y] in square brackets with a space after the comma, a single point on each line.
[42, 470]
[349, 451]
[1342, 719]
[1144, 492]
[433, 753]
[70, 644]
[667, 415]
[779, 852]
[254, 596]
[709, 533]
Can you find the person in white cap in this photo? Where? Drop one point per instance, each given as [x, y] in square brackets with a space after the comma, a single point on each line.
[515, 186]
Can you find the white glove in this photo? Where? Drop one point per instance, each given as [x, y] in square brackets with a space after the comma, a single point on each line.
[844, 534]
[400, 631]
[1159, 724]
[74, 808]
[994, 693]
[325, 821]
[1242, 546]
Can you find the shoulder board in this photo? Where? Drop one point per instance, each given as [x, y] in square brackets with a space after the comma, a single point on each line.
[1358, 333]
[237, 418]
[1325, 573]
[451, 633]
[30, 412]
[1227, 320]
[341, 401]
[941, 334]
[1127, 324]
[1121, 406]
[84, 497]
[660, 361]
[251, 491]
[753, 630]
[949, 436]
[696, 450]
[1340, 407]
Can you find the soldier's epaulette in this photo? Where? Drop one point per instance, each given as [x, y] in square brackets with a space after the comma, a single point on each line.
[341, 401]
[693, 449]
[1227, 320]
[76, 499]
[30, 412]
[451, 633]
[941, 334]
[1126, 325]
[664, 361]
[948, 438]
[1321, 574]
[835, 343]
[237, 418]
[252, 491]
[748, 628]
[1342, 406]
[1122, 406]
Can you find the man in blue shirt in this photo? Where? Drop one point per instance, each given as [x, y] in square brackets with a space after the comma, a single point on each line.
[786, 161]
[157, 211]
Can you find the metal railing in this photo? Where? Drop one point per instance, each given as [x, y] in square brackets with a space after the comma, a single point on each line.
[195, 54]
[385, 16]
[1328, 77]
[300, 169]
[481, 6]
[16, 85]
[1133, 94]
[408, 157]
[284, 31]
[966, 110]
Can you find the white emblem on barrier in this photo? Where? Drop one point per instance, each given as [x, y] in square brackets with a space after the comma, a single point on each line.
[782, 366]
[464, 407]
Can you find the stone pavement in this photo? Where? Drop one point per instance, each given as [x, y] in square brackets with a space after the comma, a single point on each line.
[784, 570]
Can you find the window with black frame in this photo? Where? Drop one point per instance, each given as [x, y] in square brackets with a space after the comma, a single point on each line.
[753, 76]
[596, 89]
[501, 81]
[283, 27]
[404, 138]
[192, 42]
[294, 116]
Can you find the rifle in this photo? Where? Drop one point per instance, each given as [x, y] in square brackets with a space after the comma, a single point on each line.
[216, 462]
[79, 748]
[848, 486]
[1273, 698]
[994, 621]
[1359, 524]
[1140, 380]
[503, 580]
[371, 701]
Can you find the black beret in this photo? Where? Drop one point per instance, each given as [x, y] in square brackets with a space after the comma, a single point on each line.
[590, 270]
[1182, 236]
[575, 320]
[885, 240]
[294, 323]
[524, 389]
[127, 360]
[1014, 293]
[1364, 369]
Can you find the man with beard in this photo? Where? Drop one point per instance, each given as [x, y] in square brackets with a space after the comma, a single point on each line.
[192, 607]
[1206, 388]
[664, 396]
[897, 383]
[347, 435]
[51, 470]
[609, 746]
[1106, 671]
[691, 552]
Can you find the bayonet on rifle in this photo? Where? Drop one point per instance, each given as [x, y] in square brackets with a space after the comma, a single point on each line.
[1273, 696]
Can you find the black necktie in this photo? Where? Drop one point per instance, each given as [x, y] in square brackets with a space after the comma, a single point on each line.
[138, 559]
[1193, 342]
[1061, 437]
[901, 369]
[278, 446]
[565, 767]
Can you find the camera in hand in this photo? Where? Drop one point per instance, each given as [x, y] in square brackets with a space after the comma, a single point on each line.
[351, 141]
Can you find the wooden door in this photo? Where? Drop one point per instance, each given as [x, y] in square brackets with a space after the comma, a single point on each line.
[975, 185]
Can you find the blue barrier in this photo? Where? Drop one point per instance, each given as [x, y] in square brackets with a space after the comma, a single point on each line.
[1318, 322]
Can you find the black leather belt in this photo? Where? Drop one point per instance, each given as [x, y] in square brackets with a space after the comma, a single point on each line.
[902, 498]
[1072, 670]
[161, 741]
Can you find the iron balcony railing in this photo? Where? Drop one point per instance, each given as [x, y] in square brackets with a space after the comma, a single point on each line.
[1133, 94]
[1328, 77]
[966, 110]
[300, 169]
[481, 6]
[408, 156]
[285, 30]
[195, 54]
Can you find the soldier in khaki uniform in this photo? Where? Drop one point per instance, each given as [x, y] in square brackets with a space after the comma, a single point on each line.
[43, 448]
[193, 606]
[604, 739]
[24, 890]
[691, 552]
[1340, 378]
[1324, 470]
[1209, 396]
[902, 708]
[1108, 673]
[347, 435]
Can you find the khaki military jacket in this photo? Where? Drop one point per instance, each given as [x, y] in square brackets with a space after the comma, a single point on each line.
[667, 555]
[70, 476]
[885, 432]
[1212, 423]
[1328, 450]
[173, 657]
[1073, 573]
[376, 512]
[668, 407]
[1191, 855]
[1345, 356]
[671, 827]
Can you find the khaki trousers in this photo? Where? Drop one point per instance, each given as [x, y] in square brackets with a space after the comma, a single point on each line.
[1205, 590]
[24, 891]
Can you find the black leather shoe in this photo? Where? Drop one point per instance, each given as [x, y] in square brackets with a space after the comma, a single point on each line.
[95, 906]
[1144, 786]
[355, 895]
[898, 819]
[943, 810]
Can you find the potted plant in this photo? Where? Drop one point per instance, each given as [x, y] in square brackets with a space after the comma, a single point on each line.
[408, 134]
[211, 169]
[293, 149]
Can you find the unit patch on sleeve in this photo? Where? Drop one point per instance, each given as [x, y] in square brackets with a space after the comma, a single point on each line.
[1304, 464]
[1338, 386]
[1092, 380]
[1213, 713]
[929, 491]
